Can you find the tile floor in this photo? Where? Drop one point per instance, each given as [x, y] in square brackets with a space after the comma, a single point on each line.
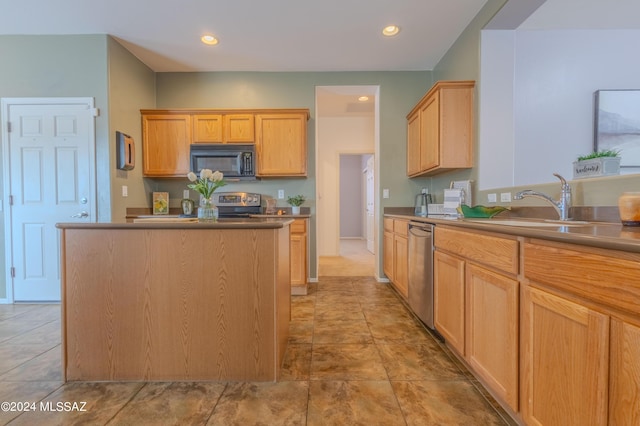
[356, 357]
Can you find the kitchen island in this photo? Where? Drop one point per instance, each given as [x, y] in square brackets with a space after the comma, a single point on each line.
[171, 301]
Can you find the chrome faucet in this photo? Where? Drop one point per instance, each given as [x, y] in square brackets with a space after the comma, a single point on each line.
[562, 206]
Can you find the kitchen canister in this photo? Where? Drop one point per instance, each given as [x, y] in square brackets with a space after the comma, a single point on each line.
[629, 207]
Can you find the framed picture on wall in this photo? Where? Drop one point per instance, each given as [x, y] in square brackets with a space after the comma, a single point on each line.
[617, 124]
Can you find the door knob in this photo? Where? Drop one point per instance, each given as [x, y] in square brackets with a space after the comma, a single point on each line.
[81, 214]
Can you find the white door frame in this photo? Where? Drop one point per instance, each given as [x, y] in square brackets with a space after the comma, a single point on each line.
[5, 103]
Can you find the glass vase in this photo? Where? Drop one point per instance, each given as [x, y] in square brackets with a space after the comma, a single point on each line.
[207, 212]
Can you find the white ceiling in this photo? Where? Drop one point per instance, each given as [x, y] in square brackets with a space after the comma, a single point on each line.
[257, 35]
[300, 35]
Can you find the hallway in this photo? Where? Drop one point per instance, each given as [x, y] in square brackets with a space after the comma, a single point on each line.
[355, 356]
[354, 261]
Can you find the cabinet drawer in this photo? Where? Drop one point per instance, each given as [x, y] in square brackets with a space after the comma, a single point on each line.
[299, 226]
[491, 250]
[609, 279]
[401, 227]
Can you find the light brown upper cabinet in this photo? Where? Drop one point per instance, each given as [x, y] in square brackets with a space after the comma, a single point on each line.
[280, 136]
[165, 145]
[281, 143]
[207, 128]
[440, 130]
[223, 128]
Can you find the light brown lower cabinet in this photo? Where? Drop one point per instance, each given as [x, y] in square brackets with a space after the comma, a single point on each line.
[299, 257]
[396, 254]
[624, 380]
[565, 366]
[448, 294]
[492, 314]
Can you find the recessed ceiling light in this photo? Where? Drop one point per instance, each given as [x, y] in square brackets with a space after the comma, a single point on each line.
[209, 39]
[363, 98]
[391, 30]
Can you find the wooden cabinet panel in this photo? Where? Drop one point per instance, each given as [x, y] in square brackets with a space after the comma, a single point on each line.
[449, 289]
[624, 380]
[207, 128]
[492, 318]
[413, 143]
[401, 264]
[239, 128]
[281, 144]
[387, 254]
[165, 145]
[603, 276]
[299, 256]
[440, 129]
[430, 133]
[565, 367]
[496, 251]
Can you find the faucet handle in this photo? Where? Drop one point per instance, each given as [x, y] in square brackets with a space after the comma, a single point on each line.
[563, 181]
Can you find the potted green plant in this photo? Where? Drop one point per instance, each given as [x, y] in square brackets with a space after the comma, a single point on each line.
[295, 202]
[598, 163]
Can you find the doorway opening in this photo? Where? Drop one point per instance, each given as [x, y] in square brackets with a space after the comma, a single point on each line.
[346, 144]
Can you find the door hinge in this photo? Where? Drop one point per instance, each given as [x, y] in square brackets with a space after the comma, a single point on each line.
[95, 112]
[10, 200]
[8, 127]
[13, 272]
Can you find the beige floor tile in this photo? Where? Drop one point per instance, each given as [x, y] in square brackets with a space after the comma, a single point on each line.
[353, 403]
[282, 403]
[418, 362]
[346, 362]
[297, 362]
[96, 404]
[183, 403]
[342, 331]
[301, 332]
[444, 403]
[12, 356]
[31, 392]
[44, 367]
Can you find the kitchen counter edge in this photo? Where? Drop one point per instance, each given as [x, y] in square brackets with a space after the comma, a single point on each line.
[606, 235]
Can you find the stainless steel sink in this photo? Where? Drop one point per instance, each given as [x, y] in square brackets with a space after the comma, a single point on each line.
[532, 222]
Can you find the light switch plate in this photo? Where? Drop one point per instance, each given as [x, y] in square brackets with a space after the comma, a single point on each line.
[505, 197]
[492, 198]
[385, 193]
[280, 194]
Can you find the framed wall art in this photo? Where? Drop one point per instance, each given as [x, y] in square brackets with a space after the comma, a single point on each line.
[617, 124]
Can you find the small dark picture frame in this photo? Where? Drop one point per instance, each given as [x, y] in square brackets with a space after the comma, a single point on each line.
[125, 152]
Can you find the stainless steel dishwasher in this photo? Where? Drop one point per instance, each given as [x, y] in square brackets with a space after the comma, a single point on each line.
[421, 271]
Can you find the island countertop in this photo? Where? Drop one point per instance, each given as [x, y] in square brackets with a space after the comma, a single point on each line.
[148, 222]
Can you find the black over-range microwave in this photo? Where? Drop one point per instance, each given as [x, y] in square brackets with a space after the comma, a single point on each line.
[234, 161]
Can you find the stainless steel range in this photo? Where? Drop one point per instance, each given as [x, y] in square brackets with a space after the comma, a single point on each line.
[237, 204]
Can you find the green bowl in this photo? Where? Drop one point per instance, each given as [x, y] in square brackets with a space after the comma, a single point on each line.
[480, 211]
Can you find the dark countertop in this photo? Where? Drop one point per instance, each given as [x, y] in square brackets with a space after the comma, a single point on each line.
[235, 223]
[607, 235]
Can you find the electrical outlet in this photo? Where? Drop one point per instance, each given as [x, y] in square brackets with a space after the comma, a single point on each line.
[125, 191]
[385, 193]
[281, 194]
[492, 198]
[505, 197]
[425, 190]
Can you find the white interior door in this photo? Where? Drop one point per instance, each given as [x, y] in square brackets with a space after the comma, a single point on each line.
[50, 151]
[370, 203]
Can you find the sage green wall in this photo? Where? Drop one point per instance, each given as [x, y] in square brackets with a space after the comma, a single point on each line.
[399, 92]
[58, 66]
[132, 87]
[462, 62]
